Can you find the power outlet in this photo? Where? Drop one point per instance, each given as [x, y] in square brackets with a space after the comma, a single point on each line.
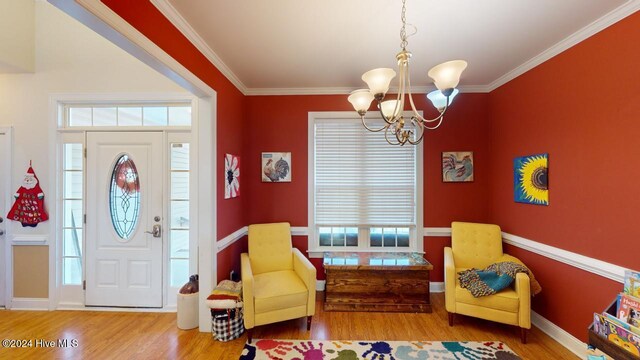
[232, 275]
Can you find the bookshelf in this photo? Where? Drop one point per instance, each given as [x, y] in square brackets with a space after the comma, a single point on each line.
[605, 345]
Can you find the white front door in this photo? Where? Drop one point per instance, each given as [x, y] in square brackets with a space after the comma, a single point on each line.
[124, 207]
[5, 180]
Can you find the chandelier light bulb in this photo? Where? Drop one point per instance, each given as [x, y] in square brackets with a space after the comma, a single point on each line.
[378, 80]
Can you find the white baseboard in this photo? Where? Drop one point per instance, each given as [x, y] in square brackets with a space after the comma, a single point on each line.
[436, 287]
[320, 284]
[558, 334]
[30, 304]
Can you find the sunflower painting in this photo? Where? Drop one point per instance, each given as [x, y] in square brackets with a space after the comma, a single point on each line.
[530, 179]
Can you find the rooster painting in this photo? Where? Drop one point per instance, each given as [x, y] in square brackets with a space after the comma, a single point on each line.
[457, 166]
[276, 170]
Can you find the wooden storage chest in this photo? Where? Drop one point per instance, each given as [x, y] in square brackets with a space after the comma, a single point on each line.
[371, 281]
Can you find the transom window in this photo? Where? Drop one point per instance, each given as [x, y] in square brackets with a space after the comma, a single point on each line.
[84, 115]
[365, 192]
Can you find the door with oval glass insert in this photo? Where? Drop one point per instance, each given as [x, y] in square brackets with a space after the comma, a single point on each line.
[124, 195]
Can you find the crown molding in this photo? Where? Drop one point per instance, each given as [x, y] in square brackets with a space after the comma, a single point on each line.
[104, 21]
[165, 7]
[348, 90]
[170, 12]
[595, 27]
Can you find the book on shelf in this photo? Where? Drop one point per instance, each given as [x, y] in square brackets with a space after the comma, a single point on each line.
[629, 309]
[632, 283]
[616, 334]
[626, 326]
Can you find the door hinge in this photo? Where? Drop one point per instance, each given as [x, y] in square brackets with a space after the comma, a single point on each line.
[85, 153]
[84, 218]
[84, 284]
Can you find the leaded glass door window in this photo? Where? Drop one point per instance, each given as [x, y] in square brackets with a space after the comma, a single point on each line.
[124, 196]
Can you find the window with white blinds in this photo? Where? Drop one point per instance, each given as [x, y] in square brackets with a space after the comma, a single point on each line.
[362, 182]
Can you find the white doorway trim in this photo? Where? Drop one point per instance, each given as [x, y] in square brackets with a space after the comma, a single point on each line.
[101, 19]
[5, 250]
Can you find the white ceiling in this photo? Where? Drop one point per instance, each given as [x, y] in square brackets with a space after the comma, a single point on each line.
[297, 46]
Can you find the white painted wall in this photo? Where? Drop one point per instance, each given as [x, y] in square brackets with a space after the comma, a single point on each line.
[17, 29]
[69, 58]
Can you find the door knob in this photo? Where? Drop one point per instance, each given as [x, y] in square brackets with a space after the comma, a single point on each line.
[156, 231]
[1, 232]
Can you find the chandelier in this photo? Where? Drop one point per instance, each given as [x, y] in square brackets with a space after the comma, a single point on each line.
[398, 130]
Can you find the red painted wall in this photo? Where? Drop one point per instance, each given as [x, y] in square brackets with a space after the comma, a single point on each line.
[229, 259]
[583, 108]
[230, 117]
[230, 112]
[280, 123]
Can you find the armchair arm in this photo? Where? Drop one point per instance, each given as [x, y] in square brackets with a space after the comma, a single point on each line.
[522, 286]
[307, 272]
[523, 289]
[449, 280]
[247, 291]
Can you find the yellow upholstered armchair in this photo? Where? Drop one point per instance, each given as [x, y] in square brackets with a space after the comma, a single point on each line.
[478, 246]
[278, 282]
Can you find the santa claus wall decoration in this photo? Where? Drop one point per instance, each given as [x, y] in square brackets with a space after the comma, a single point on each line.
[28, 208]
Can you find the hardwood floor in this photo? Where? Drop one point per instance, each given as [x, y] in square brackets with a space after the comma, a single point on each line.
[127, 335]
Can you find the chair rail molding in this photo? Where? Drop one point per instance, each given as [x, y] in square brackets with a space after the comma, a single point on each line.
[598, 267]
[595, 266]
[232, 238]
[240, 233]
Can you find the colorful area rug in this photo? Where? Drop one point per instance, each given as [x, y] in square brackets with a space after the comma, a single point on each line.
[375, 350]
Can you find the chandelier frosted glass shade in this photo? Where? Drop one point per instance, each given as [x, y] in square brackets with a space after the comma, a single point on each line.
[438, 99]
[378, 80]
[390, 108]
[361, 100]
[447, 75]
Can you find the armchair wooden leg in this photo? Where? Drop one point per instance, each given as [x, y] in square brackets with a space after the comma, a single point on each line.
[309, 322]
[451, 318]
[523, 335]
[249, 335]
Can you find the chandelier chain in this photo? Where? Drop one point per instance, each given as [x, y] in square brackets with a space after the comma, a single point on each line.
[403, 31]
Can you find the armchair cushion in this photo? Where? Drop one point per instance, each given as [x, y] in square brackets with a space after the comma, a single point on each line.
[505, 300]
[475, 245]
[273, 250]
[278, 290]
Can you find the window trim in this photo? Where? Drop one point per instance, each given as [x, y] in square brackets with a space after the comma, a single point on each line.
[416, 241]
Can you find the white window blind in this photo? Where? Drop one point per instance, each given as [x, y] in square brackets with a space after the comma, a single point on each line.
[361, 180]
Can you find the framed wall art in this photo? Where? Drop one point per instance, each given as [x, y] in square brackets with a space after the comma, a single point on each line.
[457, 166]
[231, 176]
[276, 167]
[531, 179]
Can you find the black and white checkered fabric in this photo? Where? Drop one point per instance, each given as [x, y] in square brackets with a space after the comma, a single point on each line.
[227, 324]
